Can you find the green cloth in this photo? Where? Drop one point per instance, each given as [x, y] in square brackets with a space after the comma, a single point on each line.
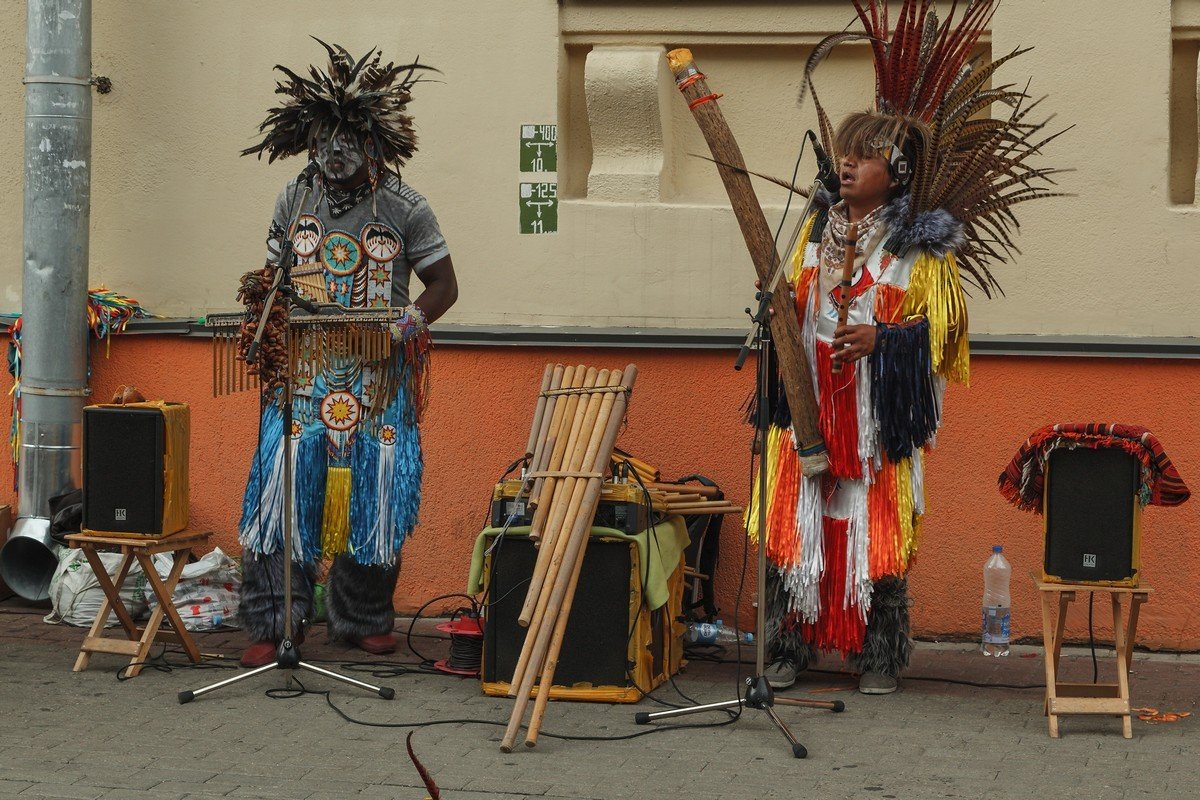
[659, 548]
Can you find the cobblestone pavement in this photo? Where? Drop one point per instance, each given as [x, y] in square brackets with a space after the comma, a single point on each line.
[86, 735]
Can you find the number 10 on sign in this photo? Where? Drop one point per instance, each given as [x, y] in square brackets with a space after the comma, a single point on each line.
[539, 207]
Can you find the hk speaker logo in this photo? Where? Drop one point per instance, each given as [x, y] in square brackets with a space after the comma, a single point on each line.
[1089, 560]
[119, 514]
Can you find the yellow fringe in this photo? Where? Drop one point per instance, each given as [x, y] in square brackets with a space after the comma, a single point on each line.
[801, 246]
[335, 525]
[751, 516]
[906, 511]
[934, 292]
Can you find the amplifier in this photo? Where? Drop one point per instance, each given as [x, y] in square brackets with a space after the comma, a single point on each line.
[1092, 517]
[622, 507]
[613, 648]
[135, 468]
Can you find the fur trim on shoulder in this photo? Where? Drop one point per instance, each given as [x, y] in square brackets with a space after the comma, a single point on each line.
[825, 198]
[935, 231]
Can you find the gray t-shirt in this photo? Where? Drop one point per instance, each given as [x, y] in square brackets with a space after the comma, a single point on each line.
[363, 257]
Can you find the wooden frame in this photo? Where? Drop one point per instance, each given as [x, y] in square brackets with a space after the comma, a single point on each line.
[1103, 699]
[138, 641]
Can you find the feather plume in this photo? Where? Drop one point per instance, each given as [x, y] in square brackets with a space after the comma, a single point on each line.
[974, 167]
[364, 95]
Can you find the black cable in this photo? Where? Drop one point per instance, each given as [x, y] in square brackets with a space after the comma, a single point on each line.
[1092, 639]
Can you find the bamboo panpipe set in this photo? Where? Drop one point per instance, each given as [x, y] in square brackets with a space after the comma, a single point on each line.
[351, 334]
[578, 415]
[689, 499]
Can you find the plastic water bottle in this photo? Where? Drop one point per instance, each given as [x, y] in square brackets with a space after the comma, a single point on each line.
[997, 618]
[716, 633]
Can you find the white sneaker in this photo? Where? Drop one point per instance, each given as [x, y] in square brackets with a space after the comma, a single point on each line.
[781, 674]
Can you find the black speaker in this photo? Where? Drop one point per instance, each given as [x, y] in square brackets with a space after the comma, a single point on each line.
[135, 468]
[607, 642]
[1092, 516]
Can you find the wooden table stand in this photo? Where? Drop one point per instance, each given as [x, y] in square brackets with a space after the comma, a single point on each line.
[137, 643]
[1103, 699]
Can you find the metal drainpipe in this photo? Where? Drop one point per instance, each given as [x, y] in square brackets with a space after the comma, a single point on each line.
[58, 151]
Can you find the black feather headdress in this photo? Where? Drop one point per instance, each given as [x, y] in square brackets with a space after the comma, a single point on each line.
[363, 95]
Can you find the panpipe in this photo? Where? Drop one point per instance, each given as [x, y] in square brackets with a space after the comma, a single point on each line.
[335, 334]
[578, 415]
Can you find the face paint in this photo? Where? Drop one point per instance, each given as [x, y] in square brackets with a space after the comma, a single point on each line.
[340, 158]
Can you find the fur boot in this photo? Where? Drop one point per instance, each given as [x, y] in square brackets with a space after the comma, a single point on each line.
[887, 646]
[785, 641]
[358, 598]
[261, 608]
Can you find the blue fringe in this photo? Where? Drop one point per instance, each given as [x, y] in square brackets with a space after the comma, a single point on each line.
[262, 519]
[903, 389]
[364, 498]
[311, 470]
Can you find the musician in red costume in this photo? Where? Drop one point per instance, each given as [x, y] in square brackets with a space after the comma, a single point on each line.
[928, 185]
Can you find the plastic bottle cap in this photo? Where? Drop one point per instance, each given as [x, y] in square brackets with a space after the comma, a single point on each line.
[997, 548]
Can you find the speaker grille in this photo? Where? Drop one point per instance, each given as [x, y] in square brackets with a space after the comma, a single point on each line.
[123, 450]
[1090, 497]
[597, 636]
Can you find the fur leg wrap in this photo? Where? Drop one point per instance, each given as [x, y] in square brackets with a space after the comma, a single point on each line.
[261, 608]
[785, 639]
[887, 646]
[358, 598]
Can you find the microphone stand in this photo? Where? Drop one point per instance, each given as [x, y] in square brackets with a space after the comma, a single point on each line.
[759, 695]
[288, 657]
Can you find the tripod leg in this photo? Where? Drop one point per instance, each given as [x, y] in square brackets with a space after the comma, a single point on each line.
[643, 717]
[187, 697]
[828, 705]
[798, 750]
[386, 692]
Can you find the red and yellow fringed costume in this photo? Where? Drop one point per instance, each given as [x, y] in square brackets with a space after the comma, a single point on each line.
[840, 544]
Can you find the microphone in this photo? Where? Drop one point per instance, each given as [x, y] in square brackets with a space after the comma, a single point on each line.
[826, 172]
[313, 168]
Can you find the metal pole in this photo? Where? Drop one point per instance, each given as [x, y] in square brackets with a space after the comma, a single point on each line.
[58, 152]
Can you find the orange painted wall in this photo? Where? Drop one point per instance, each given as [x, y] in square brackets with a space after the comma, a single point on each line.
[686, 417]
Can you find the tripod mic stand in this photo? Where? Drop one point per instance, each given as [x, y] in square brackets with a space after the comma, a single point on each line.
[288, 656]
[759, 695]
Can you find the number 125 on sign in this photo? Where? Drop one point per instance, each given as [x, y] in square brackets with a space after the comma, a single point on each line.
[539, 207]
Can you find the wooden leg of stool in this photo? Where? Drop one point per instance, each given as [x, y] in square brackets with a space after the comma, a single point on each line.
[1050, 647]
[165, 606]
[112, 590]
[1122, 647]
[1135, 606]
[97, 629]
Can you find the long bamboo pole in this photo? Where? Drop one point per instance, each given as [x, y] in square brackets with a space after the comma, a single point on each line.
[785, 326]
[536, 427]
[551, 419]
[579, 535]
[566, 523]
[592, 457]
[561, 503]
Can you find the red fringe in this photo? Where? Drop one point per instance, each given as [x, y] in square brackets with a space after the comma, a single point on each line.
[838, 414]
[888, 300]
[781, 522]
[883, 521]
[837, 628]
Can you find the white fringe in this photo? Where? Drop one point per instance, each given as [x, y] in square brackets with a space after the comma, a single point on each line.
[381, 528]
[858, 564]
[257, 534]
[803, 583]
[918, 480]
[868, 430]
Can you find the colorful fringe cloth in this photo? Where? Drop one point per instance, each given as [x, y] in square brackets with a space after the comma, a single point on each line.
[366, 507]
[107, 313]
[1023, 480]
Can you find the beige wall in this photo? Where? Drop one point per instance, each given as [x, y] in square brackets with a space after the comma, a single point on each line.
[645, 237]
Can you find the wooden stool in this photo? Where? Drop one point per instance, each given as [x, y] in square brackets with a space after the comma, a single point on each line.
[1105, 699]
[139, 640]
